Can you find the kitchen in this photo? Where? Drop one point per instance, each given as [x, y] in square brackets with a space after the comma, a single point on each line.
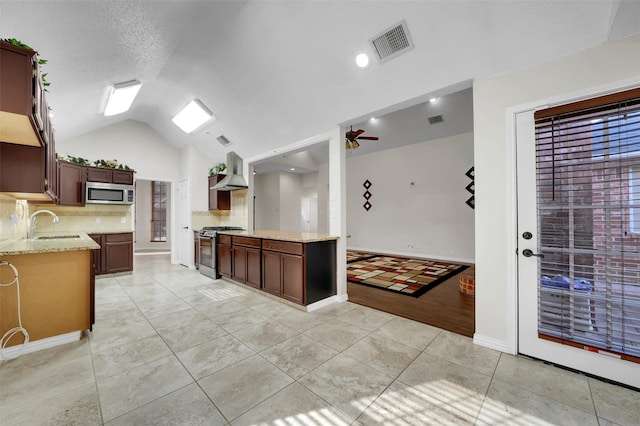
[273, 112]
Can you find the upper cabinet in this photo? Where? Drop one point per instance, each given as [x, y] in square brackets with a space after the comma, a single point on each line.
[71, 178]
[21, 120]
[218, 200]
[27, 149]
[99, 174]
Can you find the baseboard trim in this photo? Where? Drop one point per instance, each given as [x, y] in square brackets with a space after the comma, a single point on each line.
[326, 302]
[491, 343]
[38, 345]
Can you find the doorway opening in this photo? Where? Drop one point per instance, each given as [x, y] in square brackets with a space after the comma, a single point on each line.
[153, 217]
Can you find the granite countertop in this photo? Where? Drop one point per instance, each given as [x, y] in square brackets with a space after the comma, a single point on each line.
[298, 237]
[48, 244]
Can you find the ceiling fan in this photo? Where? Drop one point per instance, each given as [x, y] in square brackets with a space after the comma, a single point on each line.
[353, 137]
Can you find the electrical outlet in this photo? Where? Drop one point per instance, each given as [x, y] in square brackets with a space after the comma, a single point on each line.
[410, 246]
[97, 220]
[123, 220]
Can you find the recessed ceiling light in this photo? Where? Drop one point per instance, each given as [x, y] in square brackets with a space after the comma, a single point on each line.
[433, 100]
[362, 60]
[292, 169]
[192, 116]
[121, 97]
[373, 119]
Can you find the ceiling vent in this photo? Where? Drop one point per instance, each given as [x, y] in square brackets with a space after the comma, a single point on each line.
[435, 119]
[223, 140]
[392, 42]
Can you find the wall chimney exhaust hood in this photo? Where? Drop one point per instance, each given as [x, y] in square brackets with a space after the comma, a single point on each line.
[234, 179]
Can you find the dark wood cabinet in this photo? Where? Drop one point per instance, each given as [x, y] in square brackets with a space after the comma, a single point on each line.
[123, 177]
[96, 255]
[300, 272]
[27, 146]
[254, 267]
[21, 168]
[105, 175]
[98, 174]
[21, 120]
[246, 260]
[218, 200]
[225, 265]
[286, 262]
[293, 279]
[70, 184]
[115, 254]
[118, 255]
[272, 272]
[239, 264]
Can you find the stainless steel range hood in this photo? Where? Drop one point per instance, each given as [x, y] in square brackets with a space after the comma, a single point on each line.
[234, 179]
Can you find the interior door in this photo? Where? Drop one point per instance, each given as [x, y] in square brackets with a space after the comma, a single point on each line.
[184, 223]
[309, 214]
[529, 275]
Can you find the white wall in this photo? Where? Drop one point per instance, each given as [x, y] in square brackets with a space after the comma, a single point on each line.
[290, 202]
[195, 166]
[610, 66]
[431, 216]
[323, 198]
[267, 193]
[130, 142]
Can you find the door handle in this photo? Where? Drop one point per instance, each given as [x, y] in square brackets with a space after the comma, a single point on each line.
[529, 253]
[185, 227]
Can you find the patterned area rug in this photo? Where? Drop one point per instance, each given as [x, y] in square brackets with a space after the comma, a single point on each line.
[354, 256]
[412, 277]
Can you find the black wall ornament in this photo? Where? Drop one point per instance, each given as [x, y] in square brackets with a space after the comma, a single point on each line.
[367, 205]
[471, 174]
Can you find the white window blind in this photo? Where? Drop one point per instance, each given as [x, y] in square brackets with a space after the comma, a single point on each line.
[634, 196]
[588, 164]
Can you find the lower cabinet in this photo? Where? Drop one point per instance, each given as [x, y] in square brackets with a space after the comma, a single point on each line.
[300, 272]
[283, 270]
[96, 255]
[118, 252]
[293, 279]
[225, 266]
[115, 254]
[246, 260]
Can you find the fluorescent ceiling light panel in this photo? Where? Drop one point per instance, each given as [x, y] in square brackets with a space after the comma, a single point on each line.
[121, 97]
[192, 116]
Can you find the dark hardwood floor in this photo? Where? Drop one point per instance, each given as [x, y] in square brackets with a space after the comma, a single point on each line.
[443, 306]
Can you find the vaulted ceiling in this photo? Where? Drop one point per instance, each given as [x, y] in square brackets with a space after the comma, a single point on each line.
[276, 72]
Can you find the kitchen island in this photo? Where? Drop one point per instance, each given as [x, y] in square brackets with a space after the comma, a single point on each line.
[56, 287]
[296, 266]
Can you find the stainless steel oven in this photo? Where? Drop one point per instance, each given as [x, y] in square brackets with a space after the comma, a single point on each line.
[208, 259]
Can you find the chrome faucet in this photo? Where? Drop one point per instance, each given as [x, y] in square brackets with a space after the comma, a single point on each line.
[32, 221]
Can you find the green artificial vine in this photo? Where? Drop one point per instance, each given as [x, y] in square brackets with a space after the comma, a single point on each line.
[217, 169]
[105, 164]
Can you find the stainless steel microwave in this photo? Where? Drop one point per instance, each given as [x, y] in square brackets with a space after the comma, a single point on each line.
[109, 193]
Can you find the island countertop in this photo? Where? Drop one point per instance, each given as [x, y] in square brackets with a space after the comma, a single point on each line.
[297, 237]
[48, 242]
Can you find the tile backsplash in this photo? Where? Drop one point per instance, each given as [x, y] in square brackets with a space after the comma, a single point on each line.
[237, 216]
[13, 219]
[94, 218]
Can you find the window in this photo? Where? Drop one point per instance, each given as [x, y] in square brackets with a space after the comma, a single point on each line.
[158, 211]
[588, 193]
[634, 199]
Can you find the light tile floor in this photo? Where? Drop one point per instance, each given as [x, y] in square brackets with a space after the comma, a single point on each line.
[172, 347]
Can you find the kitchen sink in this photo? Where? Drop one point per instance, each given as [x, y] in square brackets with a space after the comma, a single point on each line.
[56, 237]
